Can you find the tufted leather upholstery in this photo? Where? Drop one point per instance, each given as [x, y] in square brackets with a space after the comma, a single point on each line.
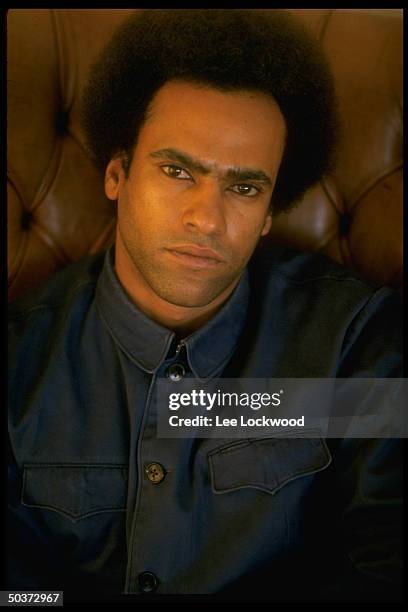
[57, 211]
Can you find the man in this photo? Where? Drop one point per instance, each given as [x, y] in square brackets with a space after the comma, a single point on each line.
[206, 123]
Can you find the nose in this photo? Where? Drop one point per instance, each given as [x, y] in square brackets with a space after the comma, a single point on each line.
[204, 209]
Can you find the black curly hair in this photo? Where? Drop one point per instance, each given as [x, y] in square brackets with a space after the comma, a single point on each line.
[269, 51]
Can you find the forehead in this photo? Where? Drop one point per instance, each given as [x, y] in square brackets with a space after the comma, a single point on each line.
[237, 128]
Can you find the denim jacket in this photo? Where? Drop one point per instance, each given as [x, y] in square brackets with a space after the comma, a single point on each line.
[275, 519]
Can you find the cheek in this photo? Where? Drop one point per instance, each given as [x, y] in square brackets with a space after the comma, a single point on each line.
[145, 215]
[246, 229]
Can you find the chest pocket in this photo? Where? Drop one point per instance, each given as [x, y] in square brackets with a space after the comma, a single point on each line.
[266, 464]
[76, 491]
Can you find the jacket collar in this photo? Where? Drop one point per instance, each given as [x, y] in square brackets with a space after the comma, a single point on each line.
[147, 343]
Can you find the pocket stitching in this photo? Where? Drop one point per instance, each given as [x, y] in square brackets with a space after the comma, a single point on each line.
[73, 516]
[236, 445]
[259, 486]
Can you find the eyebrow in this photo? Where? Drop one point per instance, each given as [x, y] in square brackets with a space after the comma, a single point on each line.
[238, 174]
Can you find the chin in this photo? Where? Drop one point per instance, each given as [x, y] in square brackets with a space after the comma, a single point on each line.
[189, 301]
[188, 296]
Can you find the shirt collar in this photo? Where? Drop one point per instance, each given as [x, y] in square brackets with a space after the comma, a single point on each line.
[147, 343]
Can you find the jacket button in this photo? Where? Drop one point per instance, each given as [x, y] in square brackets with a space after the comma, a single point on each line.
[148, 582]
[155, 472]
[175, 372]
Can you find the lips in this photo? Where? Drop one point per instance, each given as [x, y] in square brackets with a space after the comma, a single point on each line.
[195, 256]
[196, 251]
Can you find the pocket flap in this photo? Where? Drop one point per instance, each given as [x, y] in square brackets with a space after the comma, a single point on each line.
[267, 463]
[76, 491]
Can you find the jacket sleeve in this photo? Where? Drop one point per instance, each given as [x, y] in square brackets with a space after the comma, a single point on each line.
[370, 482]
[370, 470]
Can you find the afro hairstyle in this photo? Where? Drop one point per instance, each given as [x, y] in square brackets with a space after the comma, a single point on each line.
[268, 51]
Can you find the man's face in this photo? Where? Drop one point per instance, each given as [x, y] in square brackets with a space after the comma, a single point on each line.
[197, 197]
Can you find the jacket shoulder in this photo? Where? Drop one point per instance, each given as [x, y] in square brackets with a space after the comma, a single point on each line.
[74, 282]
[302, 267]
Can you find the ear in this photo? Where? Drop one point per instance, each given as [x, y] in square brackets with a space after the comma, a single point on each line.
[114, 175]
[267, 224]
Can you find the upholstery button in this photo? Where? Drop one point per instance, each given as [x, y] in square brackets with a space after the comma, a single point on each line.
[175, 372]
[61, 121]
[26, 218]
[155, 472]
[345, 224]
[148, 582]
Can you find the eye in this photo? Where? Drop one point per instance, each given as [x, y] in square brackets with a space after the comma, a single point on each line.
[244, 189]
[175, 172]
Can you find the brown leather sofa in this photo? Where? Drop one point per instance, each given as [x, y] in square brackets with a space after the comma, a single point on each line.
[57, 211]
